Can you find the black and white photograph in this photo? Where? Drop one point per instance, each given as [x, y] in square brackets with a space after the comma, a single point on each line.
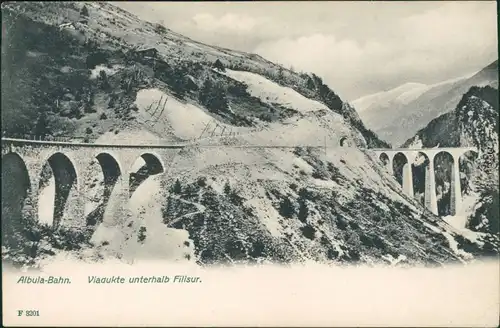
[341, 156]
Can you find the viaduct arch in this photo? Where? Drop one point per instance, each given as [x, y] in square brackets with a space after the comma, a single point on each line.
[152, 166]
[16, 189]
[388, 157]
[23, 161]
[66, 180]
[344, 142]
[112, 175]
[111, 171]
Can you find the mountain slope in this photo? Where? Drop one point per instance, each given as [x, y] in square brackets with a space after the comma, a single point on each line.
[113, 33]
[400, 113]
[474, 122]
[101, 73]
[471, 123]
[398, 96]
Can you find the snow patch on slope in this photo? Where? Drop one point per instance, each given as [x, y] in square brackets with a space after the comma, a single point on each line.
[403, 94]
[186, 120]
[94, 73]
[271, 92]
[314, 130]
[145, 236]
[267, 214]
[303, 165]
[459, 221]
[160, 241]
[454, 246]
[451, 241]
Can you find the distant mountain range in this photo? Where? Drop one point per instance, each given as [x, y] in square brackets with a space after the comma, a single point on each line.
[396, 115]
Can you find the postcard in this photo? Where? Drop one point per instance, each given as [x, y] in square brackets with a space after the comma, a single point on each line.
[253, 163]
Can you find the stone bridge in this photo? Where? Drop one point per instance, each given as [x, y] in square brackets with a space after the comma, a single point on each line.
[23, 162]
[410, 155]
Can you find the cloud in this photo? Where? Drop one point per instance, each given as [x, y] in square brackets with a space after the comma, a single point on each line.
[450, 39]
[230, 30]
[357, 47]
[338, 61]
[451, 27]
[246, 29]
[232, 23]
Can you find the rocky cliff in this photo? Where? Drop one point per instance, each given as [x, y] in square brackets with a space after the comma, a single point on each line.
[474, 122]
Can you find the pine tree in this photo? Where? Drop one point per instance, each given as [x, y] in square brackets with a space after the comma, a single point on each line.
[227, 188]
[213, 96]
[204, 95]
[84, 12]
[41, 129]
[178, 82]
[177, 189]
[103, 80]
[310, 83]
[141, 236]
[235, 198]
[287, 209]
[303, 211]
[218, 65]
[280, 74]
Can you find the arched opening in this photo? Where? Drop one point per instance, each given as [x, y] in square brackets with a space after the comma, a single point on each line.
[419, 169]
[145, 166]
[111, 171]
[102, 186]
[16, 188]
[344, 142]
[57, 180]
[384, 158]
[398, 164]
[443, 170]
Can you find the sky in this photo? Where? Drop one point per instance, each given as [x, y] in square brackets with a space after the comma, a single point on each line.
[358, 48]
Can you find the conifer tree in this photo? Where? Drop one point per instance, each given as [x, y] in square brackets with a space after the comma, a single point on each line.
[303, 211]
[287, 209]
[213, 96]
[177, 188]
[84, 12]
[218, 65]
[227, 188]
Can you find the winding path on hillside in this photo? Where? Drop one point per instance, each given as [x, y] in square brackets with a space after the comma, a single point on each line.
[200, 209]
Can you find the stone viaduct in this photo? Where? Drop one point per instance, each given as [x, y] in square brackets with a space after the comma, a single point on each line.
[410, 155]
[23, 162]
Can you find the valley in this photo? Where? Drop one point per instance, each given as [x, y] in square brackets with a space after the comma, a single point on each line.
[279, 169]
